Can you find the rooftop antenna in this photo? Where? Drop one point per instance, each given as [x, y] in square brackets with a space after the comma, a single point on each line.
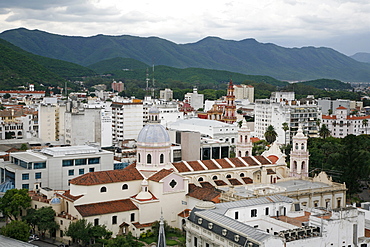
[147, 82]
[153, 83]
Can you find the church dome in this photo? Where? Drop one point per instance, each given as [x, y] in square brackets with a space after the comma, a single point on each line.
[153, 133]
[153, 110]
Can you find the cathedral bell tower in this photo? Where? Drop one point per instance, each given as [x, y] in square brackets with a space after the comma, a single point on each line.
[299, 156]
[230, 108]
[244, 145]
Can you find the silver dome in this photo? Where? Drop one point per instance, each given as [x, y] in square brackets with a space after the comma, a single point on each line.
[153, 133]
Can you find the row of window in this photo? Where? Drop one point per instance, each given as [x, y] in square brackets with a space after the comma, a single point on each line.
[104, 189]
[114, 219]
[26, 176]
[149, 158]
[79, 162]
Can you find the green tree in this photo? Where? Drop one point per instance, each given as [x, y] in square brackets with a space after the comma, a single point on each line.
[46, 220]
[270, 134]
[324, 132]
[13, 201]
[16, 229]
[259, 147]
[24, 147]
[365, 123]
[285, 128]
[123, 241]
[79, 231]
[31, 218]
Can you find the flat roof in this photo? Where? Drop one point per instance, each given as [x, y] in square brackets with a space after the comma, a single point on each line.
[70, 150]
[202, 122]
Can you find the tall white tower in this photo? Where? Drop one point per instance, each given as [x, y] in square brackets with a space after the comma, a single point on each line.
[244, 145]
[299, 156]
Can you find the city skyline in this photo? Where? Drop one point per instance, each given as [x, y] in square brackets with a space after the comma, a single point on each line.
[341, 25]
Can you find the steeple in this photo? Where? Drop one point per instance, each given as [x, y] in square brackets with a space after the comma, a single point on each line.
[161, 235]
[299, 156]
[244, 145]
[230, 108]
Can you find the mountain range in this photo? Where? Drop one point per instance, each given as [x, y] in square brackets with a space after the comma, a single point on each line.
[247, 56]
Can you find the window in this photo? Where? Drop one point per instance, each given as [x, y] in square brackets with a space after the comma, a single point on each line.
[228, 176]
[40, 165]
[242, 175]
[92, 161]
[103, 189]
[80, 162]
[67, 163]
[71, 172]
[25, 176]
[96, 222]
[214, 178]
[114, 220]
[92, 169]
[81, 171]
[125, 187]
[37, 175]
[138, 157]
[200, 179]
[161, 158]
[254, 213]
[266, 211]
[236, 215]
[195, 242]
[132, 218]
[149, 159]
[61, 233]
[25, 186]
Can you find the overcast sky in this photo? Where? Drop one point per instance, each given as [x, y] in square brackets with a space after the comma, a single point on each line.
[339, 24]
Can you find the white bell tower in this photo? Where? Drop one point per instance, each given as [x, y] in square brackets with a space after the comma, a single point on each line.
[244, 145]
[299, 156]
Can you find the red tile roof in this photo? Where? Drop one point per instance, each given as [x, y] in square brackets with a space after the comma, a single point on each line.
[250, 161]
[209, 164]
[223, 163]
[205, 194]
[247, 180]
[273, 158]
[137, 225]
[255, 139]
[69, 197]
[106, 207]
[237, 162]
[195, 165]
[329, 117]
[129, 173]
[181, 167]
[156, 177]
[185, 213]
[206, 184]
[341, 107]
[235, 181]
[220, 182]
[262, 160]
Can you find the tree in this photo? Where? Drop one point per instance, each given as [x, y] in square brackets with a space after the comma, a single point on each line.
[259, 147]
[285, 128]
[31, 218]
[365, 123]
[16, 229]
[13, 201]
[24, 147]
[123, 241]
[270, 134]
[324, 132]
[45, 220]
[240, 123]
[6, 96]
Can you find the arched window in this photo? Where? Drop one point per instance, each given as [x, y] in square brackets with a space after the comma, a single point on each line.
[241, 138]
[302, 146]
[296, 146]
[232, 140]
[214, 177]
[125, 187]
[138, 157]
[295, 165]
[228, 176]
[161, 158]
[242, 175]
[149, 159]
[103, 189]
[200, 179]
[246, 153]
[303, 167]
[240, 154]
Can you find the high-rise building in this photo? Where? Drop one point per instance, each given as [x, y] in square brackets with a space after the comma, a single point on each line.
[243, 91]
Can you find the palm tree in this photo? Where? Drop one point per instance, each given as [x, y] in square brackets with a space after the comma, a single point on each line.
[270, 134]
[285, 128]
[324, 131]
[365, 123]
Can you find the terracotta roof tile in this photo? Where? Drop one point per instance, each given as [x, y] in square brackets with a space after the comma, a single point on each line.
[195, 165]
[329, 117]
[223, 163]
[262, 160]
[69, 197]
[156, 177]
[237, 162]
[205, 194]
[104, 177]
[209, 164]
[235, 181]
[181, 167]
[255, 139]
[185, 213]
[341, 107]
[220, 182]
[273, 158]
[137, 225]
[250, 161]
[206, 184]
[106, 207]
[247, 180]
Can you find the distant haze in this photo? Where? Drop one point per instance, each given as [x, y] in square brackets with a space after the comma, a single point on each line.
[342, 25]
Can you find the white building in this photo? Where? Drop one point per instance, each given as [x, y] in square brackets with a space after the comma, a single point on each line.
[18, 123]
[282, 108]
[51, 120]
[243, 91]
[194, 99]
[166, 94]
[208, 128]
[342, 124]
[273, 221]
[54, 167]
[127, 120]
